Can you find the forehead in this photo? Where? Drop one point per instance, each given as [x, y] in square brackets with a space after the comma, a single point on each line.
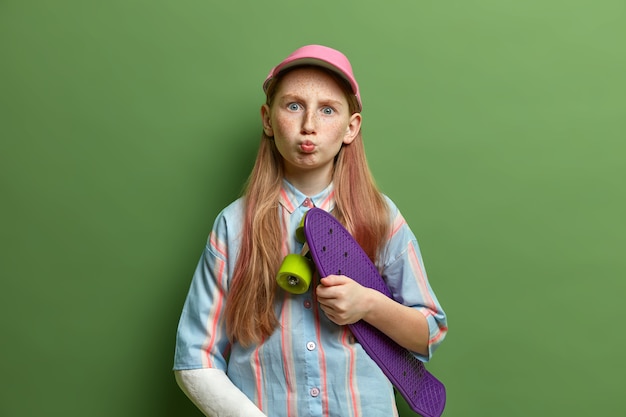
[310, 80]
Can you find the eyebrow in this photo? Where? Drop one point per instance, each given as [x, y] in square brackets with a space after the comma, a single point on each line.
[296, 97]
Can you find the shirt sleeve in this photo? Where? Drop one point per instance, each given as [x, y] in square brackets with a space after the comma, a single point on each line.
[201, 339]
[403, 271]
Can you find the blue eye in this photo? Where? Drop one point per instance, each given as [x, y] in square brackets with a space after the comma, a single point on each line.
[328, 110]
[293, 106]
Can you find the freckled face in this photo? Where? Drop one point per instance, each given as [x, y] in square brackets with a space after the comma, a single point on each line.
[310, 120]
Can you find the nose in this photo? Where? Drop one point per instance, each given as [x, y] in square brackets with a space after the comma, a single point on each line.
[308, 122]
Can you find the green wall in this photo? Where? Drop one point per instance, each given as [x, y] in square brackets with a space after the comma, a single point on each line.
[497, 126]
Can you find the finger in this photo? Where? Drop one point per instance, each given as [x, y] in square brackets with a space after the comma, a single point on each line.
[326, 292]
[327, 310]
[330, 314]
[332, 280]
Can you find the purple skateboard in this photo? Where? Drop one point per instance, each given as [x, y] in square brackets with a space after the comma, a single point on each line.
[335, 252]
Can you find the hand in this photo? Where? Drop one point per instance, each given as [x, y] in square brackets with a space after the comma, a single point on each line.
[345, 301]
[342, 299]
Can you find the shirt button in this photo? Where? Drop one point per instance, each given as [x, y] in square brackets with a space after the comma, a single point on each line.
[308, 203]
[307, 304]
[315, 392]
[310, 346]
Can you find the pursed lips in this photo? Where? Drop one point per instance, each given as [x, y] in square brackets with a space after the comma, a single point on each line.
[307, 146]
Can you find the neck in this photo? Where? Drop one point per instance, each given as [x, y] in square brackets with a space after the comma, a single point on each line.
[310, 183]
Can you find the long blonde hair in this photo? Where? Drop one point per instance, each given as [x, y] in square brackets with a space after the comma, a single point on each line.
[360, 207]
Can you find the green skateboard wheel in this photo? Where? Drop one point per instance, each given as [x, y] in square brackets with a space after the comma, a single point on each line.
[295, 274]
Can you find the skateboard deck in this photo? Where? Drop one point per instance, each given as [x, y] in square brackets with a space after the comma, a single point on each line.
[335, 252]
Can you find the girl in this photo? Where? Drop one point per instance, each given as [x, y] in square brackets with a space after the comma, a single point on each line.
[247, 348]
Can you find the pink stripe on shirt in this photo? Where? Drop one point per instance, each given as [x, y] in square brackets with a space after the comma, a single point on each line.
[322, 355]
[218, 245]
[421, 277]
[213, 321]
[354, 398]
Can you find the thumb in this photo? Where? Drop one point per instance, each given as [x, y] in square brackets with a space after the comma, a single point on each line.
[331, 280]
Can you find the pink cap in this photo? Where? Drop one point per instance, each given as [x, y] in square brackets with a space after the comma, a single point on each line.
[322, 56]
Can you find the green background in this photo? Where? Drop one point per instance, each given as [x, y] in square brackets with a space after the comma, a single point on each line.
[498, 127]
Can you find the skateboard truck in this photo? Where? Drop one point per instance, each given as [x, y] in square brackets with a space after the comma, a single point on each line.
[333, 251]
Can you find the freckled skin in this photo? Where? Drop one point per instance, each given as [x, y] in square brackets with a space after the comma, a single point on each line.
[310, 120]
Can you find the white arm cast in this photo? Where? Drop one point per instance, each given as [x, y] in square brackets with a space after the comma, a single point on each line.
[214, 393]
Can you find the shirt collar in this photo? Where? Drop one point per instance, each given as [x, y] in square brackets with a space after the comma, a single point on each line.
[291, 198]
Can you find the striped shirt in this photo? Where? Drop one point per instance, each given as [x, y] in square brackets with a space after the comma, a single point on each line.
[309, 366]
